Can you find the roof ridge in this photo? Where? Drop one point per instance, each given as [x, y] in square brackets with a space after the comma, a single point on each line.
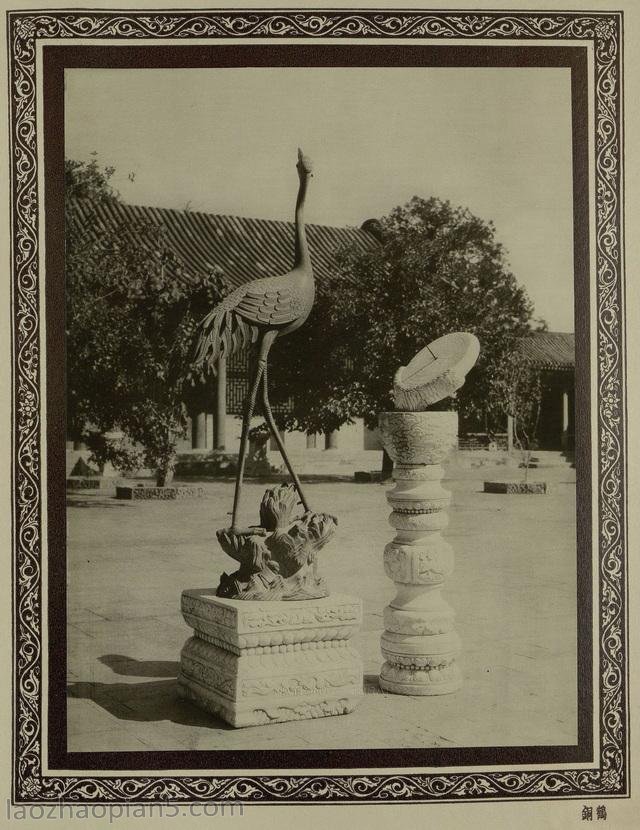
[118, 203]
[243, 248]
[550, 333]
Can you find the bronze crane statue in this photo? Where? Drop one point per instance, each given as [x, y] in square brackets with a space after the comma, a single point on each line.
[258, 312]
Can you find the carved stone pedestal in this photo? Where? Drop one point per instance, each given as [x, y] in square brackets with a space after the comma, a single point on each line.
[419, 643]
[265, 662]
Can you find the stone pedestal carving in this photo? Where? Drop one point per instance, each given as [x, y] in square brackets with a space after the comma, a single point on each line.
[419, 644]
[266, 662]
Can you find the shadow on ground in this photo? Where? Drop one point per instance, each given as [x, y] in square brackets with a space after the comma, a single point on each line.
[157, 700]
[275, 478]
[121, 664]
[372, 685]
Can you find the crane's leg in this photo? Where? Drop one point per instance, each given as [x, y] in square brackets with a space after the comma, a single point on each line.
[274, 431]
[246, 422]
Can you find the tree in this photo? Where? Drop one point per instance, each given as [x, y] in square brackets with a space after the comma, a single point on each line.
[131, 313]
[516, 390]
[438, 269]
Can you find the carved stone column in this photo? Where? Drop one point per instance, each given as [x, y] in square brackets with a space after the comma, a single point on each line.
[419, 644]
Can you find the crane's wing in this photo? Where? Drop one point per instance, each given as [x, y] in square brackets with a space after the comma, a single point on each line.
[221, 333]
[237, 320]
[266, 303]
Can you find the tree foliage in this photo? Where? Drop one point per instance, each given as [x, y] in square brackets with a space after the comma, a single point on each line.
[517, 391]
[439, 269]
[131, 312]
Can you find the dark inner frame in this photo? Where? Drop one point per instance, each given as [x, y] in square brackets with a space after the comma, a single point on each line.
[55, 60]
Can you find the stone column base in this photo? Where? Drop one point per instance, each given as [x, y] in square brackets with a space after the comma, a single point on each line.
[407, 682]
[252, 663]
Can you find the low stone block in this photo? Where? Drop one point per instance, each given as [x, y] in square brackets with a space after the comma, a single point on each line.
[514, 487]
[96, 482]
[181, 491]
[252, 663]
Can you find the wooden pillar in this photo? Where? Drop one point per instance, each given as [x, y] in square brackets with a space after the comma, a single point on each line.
[210, 430]
[199, 431]
[273, 445]
[564, 439]
[510, 427]
[331, 440]
[220, 420]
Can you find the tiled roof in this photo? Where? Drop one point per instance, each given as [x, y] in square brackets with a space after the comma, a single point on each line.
[550, 349]
[245, 249]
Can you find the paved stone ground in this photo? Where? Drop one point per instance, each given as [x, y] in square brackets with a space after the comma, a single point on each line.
[514, 592]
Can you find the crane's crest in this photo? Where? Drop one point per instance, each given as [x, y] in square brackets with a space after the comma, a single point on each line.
[304, 162]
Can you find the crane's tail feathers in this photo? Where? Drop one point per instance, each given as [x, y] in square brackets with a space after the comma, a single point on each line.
[220, 334]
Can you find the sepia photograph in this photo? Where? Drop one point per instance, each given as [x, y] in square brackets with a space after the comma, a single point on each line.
[326, 335]
[408, 218]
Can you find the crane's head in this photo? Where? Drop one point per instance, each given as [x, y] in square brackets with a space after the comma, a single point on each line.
[304, 165]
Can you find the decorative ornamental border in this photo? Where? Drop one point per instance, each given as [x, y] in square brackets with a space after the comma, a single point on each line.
[609, 776]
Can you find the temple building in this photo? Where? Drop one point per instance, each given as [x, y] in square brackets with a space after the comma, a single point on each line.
[553, 354]
[246, 249]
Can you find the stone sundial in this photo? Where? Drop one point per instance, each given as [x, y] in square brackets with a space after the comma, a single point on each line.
[436, 372]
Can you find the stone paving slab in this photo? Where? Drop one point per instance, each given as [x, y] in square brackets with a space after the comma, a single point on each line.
[514, 592]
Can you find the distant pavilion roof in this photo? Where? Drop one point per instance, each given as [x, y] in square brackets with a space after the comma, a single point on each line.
[550, 350]
[244, 249]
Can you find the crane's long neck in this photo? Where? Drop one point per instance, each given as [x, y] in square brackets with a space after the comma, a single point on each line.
[301, 257]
